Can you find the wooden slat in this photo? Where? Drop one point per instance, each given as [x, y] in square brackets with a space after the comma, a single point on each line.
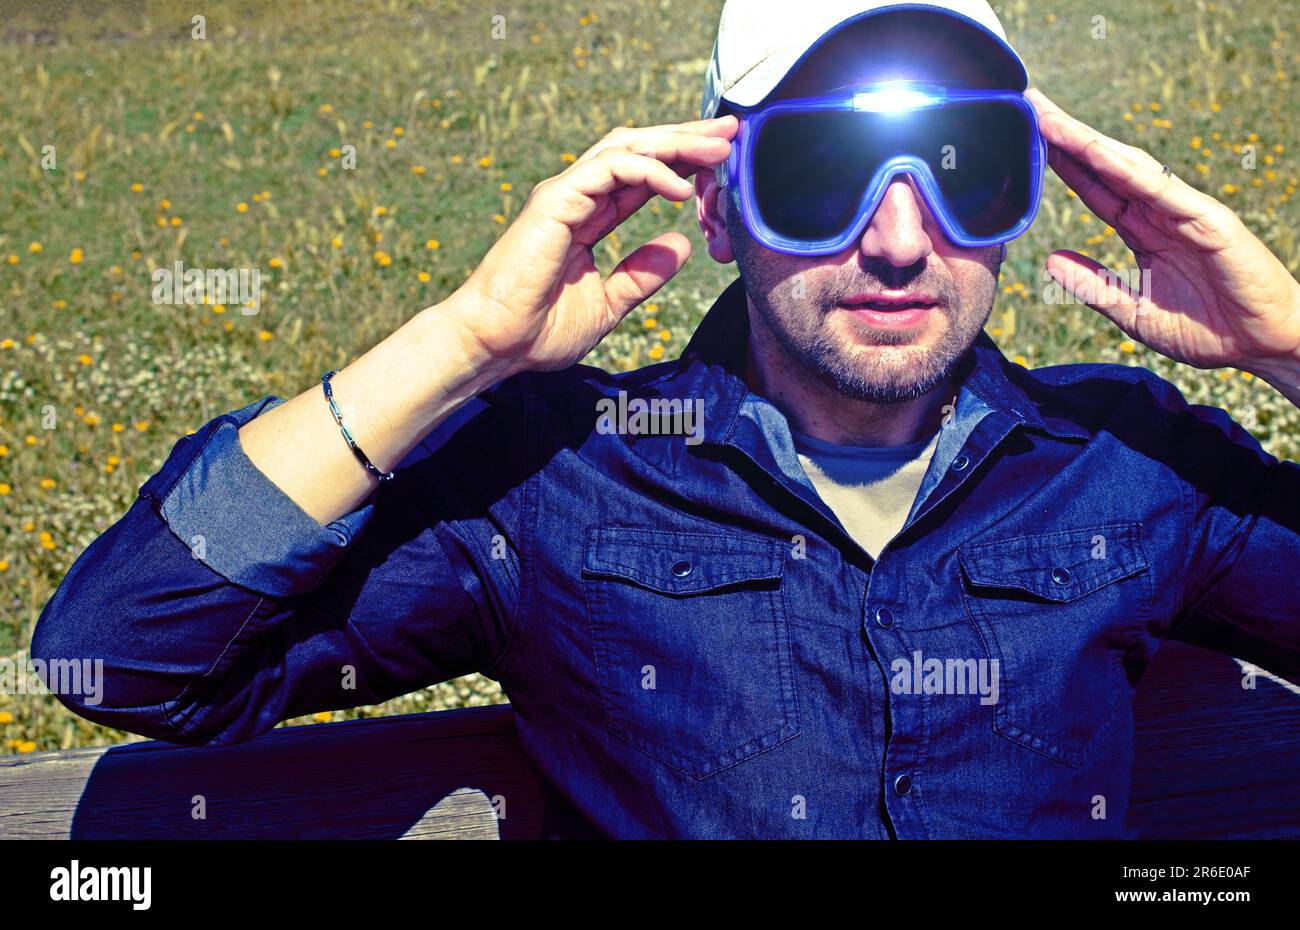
[1214, 760]
[425, 776]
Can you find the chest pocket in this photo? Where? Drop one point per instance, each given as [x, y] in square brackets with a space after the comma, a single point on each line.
[1057, 611]
[691, 646]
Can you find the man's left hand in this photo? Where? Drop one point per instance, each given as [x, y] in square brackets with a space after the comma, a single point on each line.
[1212, 295]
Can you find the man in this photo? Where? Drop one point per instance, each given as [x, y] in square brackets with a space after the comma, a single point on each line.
[716, 589]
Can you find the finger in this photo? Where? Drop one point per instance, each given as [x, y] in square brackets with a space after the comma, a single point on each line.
[1128, 171]
[1073, 133]
[1099, 198]
[1148, 183]
[683, 147]
[575, 197]
[637, 277]
[1092, 283]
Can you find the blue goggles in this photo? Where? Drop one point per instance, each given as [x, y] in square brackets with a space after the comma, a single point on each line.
[811, 172]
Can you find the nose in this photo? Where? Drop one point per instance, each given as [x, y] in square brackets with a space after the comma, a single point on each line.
[899, 231]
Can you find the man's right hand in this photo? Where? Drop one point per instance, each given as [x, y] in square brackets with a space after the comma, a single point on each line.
[536, 301]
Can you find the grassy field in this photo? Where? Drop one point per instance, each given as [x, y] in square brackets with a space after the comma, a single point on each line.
[227, 151]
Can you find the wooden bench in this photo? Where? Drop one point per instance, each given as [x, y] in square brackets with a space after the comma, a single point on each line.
[1212, 760]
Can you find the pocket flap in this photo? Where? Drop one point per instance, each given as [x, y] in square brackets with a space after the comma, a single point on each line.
[680, 563]
[1057, 566]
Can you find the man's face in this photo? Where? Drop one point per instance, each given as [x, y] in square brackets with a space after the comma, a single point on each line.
[885, 320]
[816, 313]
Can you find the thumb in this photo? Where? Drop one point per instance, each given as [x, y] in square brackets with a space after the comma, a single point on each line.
[1092, 283]
[637, 277]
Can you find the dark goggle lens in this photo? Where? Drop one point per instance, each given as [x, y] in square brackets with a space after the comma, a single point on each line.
[811, 169]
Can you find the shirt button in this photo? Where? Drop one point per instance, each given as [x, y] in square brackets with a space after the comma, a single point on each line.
[884, 617]
[960, 463]
[903, 784]
[682, 568]
[1061, 575]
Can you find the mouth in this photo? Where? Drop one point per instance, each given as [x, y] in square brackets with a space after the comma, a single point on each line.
[892, 310]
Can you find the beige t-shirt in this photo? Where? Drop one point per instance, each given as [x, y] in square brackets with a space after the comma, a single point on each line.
[870, 488]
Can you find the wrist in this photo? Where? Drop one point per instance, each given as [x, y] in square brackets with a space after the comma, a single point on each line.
[450, 323]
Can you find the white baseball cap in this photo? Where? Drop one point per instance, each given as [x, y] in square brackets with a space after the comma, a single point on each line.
[759, 42]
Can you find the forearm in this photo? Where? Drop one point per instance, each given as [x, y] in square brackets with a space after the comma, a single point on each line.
[390, 398]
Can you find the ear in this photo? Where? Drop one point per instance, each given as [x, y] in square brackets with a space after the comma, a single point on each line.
[709, 204]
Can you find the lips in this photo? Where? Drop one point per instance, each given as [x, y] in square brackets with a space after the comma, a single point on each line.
[886, 302]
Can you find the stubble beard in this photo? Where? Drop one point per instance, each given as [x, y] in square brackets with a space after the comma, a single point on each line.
[879, 366]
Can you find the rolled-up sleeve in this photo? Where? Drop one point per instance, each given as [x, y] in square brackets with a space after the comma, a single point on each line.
[241, 524]
[217, 607]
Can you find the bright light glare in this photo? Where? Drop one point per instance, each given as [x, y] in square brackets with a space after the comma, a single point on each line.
[893, 100]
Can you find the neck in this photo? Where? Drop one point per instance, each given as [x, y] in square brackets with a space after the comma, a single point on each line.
[817, 409]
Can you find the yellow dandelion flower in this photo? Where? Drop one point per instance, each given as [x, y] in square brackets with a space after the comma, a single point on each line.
[142, 426]
[30, 440]
[322, 717]
[12, 259]
[499, 219]
[485, 161]
[137, 188]
[276, 263]
[424, 277]
[84, 359]
[433, 245]
[1229, 188]
[336, 153]
[1021, 360]
[456, 159]
[90, 419]
[1128, 347]
[656, 353]
[399, 131]
[327, 108]
[367, 125]
[322, 171]
[35, 248]
[114, 460]
[241, 207]
[164, 204]
[119, 427]
[5, 716]
[390, 143]
[665, 334]
[76, 256]
[1196, 142]
[4, 489]
[336, 242]
[417, 169]
[266, 335]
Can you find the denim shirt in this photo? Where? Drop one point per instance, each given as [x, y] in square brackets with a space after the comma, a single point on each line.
[692, 644]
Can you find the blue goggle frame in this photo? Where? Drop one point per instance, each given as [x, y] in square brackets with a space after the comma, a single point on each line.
[893, 97]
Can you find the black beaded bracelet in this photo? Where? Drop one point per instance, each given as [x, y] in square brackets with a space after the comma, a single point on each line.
[352, 443]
